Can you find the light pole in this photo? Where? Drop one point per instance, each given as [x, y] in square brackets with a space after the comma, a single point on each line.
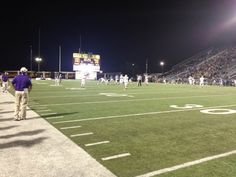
[162, 65]
[38, 60]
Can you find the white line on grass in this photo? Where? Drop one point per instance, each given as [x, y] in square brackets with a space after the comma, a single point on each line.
[187, 164]
[82, 134]
[97, 95]
[98, 143]
[65, 128]
[116, 156]
[48, 114]
[56, 117]
[140, 114]
[132, 100]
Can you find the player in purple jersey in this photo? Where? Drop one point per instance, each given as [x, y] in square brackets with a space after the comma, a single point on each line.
[23, 86]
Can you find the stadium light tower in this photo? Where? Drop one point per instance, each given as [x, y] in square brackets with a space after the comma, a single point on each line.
[38, 60]
[162, 63]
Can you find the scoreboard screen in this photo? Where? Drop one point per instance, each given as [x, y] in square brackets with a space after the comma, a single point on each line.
[86, 61]
[86, 64]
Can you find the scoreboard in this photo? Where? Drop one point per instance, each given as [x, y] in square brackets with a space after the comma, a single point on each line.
[86, 65]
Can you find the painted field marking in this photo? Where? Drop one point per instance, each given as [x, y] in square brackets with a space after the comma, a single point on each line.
[98, 143]
[140, 114]
[114, 94]
[75, 88]
[218, 111]
[65, 128]
[48, 114]
[132, 93]
[55, 85]
[43, 110]
[40, 83]
[116, 156]
[56, 117]
[132, 100]
[187, 164]
[82, 134]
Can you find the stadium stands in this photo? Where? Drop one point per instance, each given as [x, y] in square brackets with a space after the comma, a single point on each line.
[215, 64]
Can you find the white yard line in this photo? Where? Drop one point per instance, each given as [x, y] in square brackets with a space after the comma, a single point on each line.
[187, 164]
[65, 128]
[56, 117]
[140, 114]
[98, 143]
[82, 134]
[133, 100]
[116, 156]
[48, 114]
[97, 95]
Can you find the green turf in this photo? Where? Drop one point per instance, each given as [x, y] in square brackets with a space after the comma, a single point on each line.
[155, 139]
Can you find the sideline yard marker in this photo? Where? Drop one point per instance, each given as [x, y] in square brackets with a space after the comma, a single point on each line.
[65, 128]
[116, 156]
[82, 134]
[93, 144]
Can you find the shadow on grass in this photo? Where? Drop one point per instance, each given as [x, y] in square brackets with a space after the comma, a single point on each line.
[25, 133]
[59, 114]
[9, 127]
[22, 143]
[12, 119]
[7, 102]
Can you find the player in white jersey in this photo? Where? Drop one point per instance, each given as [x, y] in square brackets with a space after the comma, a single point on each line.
[201, 83]
[121, 79]
[83, 81]
[126, 81]
[190, 80]
[139, 79]
[116, 79]
[57, 81]
[146, 79]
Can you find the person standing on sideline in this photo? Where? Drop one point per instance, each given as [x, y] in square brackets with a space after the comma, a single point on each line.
[5, 80]
[139, 79]
[22, 85]
[83, 81]
[126, 81]
[146, 79]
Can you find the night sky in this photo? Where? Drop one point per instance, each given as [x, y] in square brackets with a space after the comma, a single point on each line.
[122, 32]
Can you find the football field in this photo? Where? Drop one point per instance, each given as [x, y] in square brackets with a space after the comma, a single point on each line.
[155, 130]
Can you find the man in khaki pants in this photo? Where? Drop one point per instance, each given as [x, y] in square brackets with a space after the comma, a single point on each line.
[23, 86]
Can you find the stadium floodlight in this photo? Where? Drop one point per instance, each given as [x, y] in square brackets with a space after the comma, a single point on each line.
[38, 60]
[162, 63]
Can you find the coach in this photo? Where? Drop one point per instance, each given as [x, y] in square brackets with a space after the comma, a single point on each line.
[23, 86]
